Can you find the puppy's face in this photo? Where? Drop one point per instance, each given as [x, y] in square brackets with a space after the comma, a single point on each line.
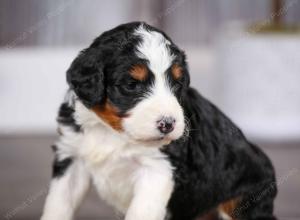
[134, 83]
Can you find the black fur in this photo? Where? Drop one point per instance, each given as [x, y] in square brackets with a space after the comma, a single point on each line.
[215, 164]
[66, 117]
[88, 76]
[60, 166]
[85, 77]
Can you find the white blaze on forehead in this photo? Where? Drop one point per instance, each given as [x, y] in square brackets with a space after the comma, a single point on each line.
[160, 102]
[154, 49]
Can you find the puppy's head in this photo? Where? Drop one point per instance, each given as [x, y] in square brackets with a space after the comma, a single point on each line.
[133, 78]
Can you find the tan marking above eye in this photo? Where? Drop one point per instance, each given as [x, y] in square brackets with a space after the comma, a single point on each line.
[108, 113]
[176, 71]
[139, 72]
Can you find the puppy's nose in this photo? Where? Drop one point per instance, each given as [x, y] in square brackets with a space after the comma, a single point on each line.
[166, 125]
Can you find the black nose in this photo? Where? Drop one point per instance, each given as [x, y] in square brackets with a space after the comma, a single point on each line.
[166, 125]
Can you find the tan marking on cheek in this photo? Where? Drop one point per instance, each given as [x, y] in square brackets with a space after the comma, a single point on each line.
[176, 71]
[139, 72]
[229, 207]
[108, 113]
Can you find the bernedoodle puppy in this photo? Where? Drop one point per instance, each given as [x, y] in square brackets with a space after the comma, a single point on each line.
[151, 145]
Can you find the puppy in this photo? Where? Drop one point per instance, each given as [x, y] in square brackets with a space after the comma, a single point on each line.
[152, 146]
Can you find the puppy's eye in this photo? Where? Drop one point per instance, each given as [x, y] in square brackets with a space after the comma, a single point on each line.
[132, 85]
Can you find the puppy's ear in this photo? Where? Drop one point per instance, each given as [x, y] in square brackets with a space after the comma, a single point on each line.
[85, 76]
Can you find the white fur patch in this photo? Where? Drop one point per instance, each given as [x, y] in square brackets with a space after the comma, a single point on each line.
[154, 49]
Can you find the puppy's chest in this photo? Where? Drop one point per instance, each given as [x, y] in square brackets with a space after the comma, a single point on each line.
[116, 167]
[116, 177]
[114, 180]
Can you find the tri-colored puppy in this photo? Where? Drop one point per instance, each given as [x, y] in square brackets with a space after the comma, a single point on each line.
[153, 147]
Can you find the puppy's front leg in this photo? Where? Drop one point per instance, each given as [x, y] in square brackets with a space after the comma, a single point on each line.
[152, 192]
[66, 191]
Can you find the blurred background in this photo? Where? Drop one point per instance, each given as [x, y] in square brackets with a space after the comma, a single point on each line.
[243, 55]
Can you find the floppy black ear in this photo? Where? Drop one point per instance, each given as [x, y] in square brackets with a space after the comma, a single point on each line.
[85, 76]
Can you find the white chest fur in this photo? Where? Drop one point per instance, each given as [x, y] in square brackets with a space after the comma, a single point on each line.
[117, 167]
